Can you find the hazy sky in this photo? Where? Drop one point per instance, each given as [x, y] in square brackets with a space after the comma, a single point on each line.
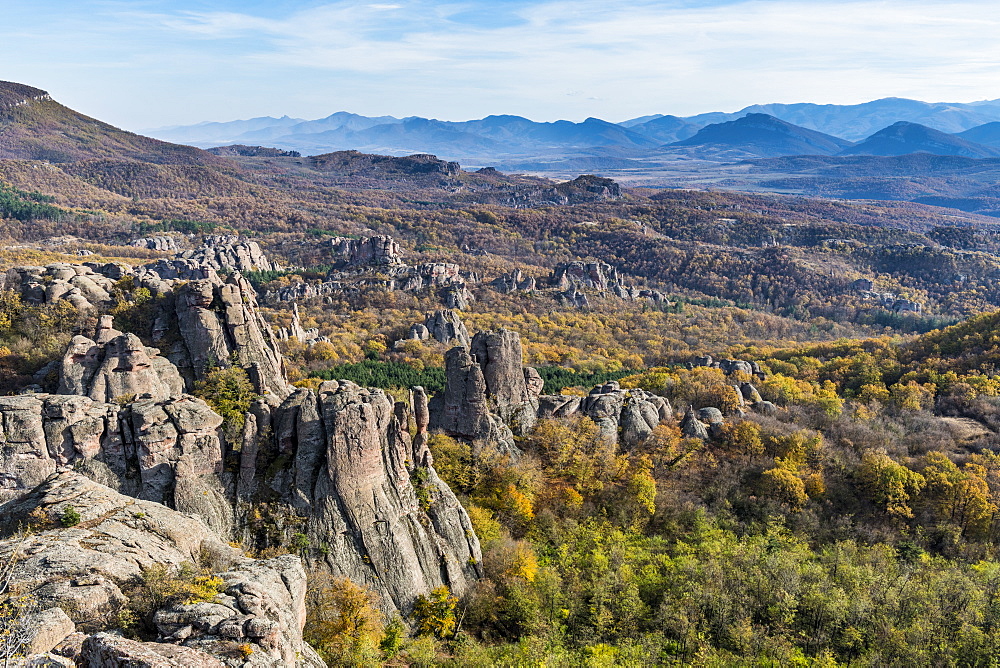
[142, 64]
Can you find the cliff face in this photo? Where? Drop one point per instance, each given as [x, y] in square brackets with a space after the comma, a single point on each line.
[368, 496]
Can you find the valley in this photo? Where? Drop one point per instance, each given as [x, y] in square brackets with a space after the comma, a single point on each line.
[709, 404]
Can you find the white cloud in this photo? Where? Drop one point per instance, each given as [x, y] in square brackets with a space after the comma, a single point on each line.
[558, 58]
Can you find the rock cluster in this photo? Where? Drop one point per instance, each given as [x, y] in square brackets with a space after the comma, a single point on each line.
[367, 493]
[159, 243]
[79, 285]
[599, 276]
[229, 253]
[570, 278]
[489, 395]
[729, 366]
[85, 568]
[375, 263]
[166, 451]
[379, 250]
[515, 281]
[624, 416]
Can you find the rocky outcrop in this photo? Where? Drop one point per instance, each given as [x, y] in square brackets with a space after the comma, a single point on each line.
[113, 366]
[598, 276]
[159, 243]
[499, 356]
[572, 297]
[375, 263]
[515, 281]
[692, 427]
[489, 395]
[309, 336]
[229, 253]
[729, 366]
[219, 325]
[371, 503]
[84, 569]
[463, 409]
[379, 250]
[166, 451]
[445, 326]
[77, 284]
[627, 417]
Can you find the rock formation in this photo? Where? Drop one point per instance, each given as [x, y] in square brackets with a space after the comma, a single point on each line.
[624, 416]
[368, 496]
[220, 325]
[85, 569]
[445, 326]
[600, 277]
[489, 395]
[229, 253]
[166, 451]
[78, 284]
[115, 365]
[309, 336]
[512, 389]
[692, 427]
[515, 281]
[160, 243]
[378, 251]
[375, 262]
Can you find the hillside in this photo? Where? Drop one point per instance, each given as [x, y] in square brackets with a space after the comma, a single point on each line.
[35, 127]
[765, 136]
[903, 137]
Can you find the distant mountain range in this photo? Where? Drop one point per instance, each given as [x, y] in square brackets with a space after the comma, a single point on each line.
[795, 129]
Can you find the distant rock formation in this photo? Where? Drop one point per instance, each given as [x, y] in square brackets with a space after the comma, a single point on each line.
[445, 326]
[309, 336]
[515, 281]
[571, 278]
[379, 250]
[252, 151]
[229, 253]
[375, 262]
[159, 243]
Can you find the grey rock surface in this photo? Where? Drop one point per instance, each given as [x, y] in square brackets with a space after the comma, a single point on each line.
[445, 326]
[116, 539]
[220, 325]
[229, 253]
[352, 475]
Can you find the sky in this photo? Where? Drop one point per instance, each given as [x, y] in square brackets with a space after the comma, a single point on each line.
[143, 64]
